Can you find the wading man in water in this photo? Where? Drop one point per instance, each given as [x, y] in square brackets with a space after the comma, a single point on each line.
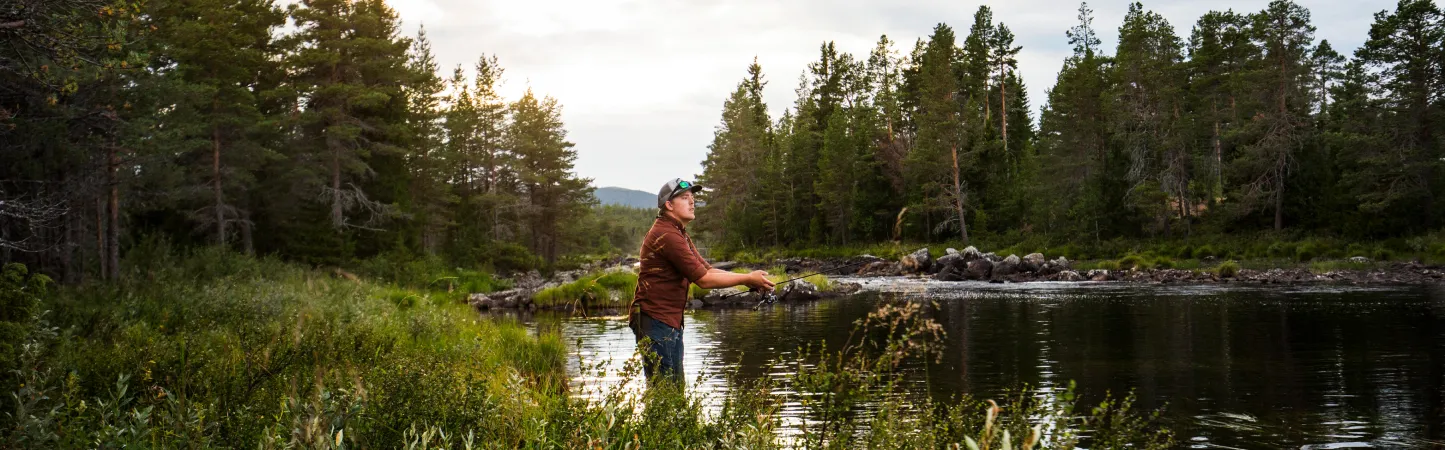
[670, 263]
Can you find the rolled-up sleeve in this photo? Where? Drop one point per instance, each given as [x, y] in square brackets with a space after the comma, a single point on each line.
[675, 249]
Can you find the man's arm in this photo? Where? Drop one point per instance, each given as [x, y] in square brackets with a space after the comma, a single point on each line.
[717, 279]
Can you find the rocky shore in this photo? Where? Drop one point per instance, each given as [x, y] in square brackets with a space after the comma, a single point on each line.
[972, 265]
[968, 264]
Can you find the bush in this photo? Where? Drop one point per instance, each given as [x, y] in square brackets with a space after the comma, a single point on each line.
[1133, 262]
[1108, 265]
[1163, 262]
[1307, 251]
[1204, 251]
[1227, 270]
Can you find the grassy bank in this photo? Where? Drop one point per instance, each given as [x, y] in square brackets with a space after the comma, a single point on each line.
[211, 349]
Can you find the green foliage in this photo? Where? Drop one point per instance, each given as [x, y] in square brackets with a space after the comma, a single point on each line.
[605, 289]
[1228, 269]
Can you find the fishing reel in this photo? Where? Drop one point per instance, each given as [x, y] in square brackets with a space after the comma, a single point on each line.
[768, 298]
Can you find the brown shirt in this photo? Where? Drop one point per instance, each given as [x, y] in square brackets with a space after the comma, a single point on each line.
[670, 263]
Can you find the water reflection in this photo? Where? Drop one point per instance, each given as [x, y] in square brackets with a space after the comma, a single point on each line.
[1250, 366]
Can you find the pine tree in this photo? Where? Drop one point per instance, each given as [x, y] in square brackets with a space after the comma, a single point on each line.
[731, 171]
[1074, 138]
[545, 159]
[940, 133]
[1146, 110]
[1279, 130]
[345, 66]
[431, 196]
[214, 54]
[1220, 55]
[1404, 52]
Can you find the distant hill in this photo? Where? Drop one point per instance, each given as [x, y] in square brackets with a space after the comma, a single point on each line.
[612, 195]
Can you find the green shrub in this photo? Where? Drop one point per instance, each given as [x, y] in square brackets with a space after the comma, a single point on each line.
[1280, 249]
[1163, 262]
[1204, 251]
[1134, 262]
[1307, 251]
[1228, 269]
[1108, 265]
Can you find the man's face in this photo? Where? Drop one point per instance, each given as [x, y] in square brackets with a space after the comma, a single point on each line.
[682, 206]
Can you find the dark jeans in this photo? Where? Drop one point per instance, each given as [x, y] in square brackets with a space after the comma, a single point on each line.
[665, 346]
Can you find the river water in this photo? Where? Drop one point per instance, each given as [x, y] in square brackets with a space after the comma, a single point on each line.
[1233, 366]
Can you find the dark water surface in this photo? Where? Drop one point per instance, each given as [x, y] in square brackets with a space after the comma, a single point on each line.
[1235, 366]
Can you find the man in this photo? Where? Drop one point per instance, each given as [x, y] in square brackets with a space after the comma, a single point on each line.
[670, 263]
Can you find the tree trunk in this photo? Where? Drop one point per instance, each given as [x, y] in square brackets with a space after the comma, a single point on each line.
[113, 232]
[216, 186]
[246, 244]
[1003, 109]
[337, 219]
[958, 198]
[100, 237]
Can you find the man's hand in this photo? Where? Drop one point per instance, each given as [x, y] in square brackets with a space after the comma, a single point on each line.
[758, 281]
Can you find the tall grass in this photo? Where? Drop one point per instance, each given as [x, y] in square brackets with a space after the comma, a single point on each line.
[220, 350]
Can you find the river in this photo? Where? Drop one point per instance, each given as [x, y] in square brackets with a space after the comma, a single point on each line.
[1233, 366]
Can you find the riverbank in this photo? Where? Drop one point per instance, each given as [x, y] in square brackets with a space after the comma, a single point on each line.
[971, 264]
[210, 348]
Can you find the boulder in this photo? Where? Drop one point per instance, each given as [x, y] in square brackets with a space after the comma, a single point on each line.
[991, 257]
[950, 251]
[1049, 268]
[917, 262]
[970, 253]
[948, 261]
[845, 288]
[1359, 260]
[799, 290]
[729, 296]
[480, 301]
[695, 304]
[949, 273]
[1033, 262]
[1008, 266]
[978, 269]
[1098, 275]
[1062, 263]
[883, 268]
[1069, 275]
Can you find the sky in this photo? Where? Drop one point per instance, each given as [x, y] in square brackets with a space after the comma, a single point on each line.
[642, 82]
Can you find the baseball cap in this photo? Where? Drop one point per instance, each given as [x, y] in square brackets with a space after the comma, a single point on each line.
[674, 187]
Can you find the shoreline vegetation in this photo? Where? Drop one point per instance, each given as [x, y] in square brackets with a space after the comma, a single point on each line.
[211, 348]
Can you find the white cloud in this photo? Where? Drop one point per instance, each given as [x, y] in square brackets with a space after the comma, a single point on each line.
[642, 81]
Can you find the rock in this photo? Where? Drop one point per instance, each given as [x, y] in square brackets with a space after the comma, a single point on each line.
[1069, 275]
[480, 301]
[1033, 262]
[729, 296]
[846, 288]
[970, 253]
[978, 269]
[950, 251]
[946, 262]
[1359, 260]
[991, 257]
[1008, 266]
[917, 262]
[1062, 263]
[799, 290]
[949, 273]
[1097, 275]
[1049, 268]
[725, 265]
[695, 304]
[883, 268]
